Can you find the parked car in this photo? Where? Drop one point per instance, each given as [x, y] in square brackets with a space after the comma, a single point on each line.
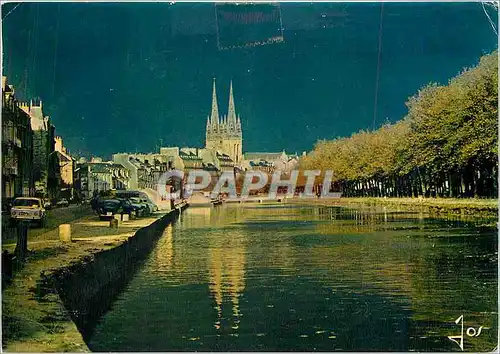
[47, 204]
[143, 209]
[62, 203]
[135, 209]
[29, 209]
[106, 208]
[152, 206]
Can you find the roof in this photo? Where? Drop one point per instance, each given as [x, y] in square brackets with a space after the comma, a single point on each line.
[262, 155]
[223, 157]
[261, 163]
[63, 156]
[188, 156]
[99, 167]
[116, 165]
[210, 167]
[103, 167]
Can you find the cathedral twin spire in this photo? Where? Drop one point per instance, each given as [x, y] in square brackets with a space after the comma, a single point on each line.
[214, 116]
[231, 113]
[229, 124]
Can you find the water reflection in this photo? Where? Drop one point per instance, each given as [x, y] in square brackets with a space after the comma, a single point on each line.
[164, 257]
[308, 278]
[227, 277]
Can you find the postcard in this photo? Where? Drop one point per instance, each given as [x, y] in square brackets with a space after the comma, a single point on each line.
[249, 176]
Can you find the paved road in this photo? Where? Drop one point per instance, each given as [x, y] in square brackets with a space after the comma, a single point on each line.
[55, 217]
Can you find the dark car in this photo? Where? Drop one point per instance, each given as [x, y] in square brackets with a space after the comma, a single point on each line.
[132, 208]
[144, 208]
[106, 208]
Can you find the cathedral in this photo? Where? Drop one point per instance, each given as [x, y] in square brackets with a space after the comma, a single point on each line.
[223, 151]
[223, 133]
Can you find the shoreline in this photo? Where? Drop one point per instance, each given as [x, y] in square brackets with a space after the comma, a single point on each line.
[454, 206]
[38, 315]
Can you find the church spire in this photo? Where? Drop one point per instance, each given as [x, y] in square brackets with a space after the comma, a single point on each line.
[231, 112]
[214, 117]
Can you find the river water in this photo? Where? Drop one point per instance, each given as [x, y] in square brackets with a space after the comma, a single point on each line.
[309, 278]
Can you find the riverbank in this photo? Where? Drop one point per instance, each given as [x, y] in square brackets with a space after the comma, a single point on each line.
[473, 207]
[37, 314]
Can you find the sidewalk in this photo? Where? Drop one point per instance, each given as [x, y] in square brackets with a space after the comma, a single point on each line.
[86, 228]
[55, 217]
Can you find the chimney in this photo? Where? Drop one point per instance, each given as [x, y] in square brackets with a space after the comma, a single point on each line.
[58, 144]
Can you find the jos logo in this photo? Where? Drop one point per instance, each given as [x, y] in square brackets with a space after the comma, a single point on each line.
[471, 332]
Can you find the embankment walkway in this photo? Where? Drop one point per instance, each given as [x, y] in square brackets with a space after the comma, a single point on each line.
[36, 317]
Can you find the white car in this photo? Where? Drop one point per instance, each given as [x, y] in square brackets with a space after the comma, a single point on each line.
[29, 209]
[63, 203]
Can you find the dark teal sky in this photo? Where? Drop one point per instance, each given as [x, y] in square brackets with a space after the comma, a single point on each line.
[120, 77]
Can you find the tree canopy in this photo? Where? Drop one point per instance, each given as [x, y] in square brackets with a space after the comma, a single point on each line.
[446, 145]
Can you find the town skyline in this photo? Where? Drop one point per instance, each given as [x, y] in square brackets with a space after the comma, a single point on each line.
[314, 85]
[250, 176]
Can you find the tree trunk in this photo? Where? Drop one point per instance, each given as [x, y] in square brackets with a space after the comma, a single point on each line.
[494, 176]
[450, 185]
[425, 184]
[462, 185]
[422, 184]
[414, 187]
[375, 187]
[475, 181]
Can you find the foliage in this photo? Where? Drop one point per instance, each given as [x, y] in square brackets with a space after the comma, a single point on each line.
[446, 145]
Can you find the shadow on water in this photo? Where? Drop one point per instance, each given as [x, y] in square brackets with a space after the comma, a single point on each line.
[275, 317]
[287, 278]
[89, 287]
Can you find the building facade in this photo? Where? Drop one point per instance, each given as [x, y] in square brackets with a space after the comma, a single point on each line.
[145, 169]
[94, 177]
[17, 147]
[66, 163]
[270, 162]
[66, 169]
[46, 173]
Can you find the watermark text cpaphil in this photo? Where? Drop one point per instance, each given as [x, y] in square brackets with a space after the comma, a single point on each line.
[253, 181]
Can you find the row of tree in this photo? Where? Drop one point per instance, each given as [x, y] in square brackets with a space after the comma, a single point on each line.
[445, 146]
